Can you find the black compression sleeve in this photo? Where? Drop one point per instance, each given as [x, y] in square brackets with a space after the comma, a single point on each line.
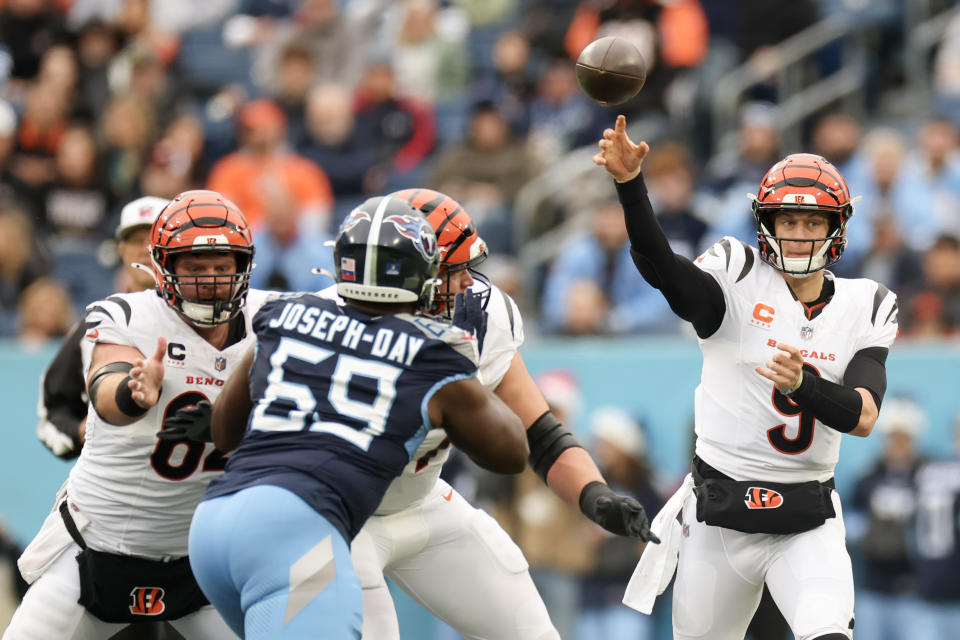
[867, 369]
[835, 405]
[693, 294]
[548, 438]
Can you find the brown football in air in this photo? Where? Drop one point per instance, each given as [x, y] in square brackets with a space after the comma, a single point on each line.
[611, 70]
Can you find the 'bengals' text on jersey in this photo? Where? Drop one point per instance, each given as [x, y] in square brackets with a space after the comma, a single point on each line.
[743, 427]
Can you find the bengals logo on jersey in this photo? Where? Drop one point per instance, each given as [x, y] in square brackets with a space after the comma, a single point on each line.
[147, 601]
[761, 498]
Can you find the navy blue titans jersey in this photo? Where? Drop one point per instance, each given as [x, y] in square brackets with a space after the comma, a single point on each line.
[340, 402]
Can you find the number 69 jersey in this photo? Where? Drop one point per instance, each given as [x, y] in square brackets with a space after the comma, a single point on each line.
[743, 427]
[347, 390]
[138, 491]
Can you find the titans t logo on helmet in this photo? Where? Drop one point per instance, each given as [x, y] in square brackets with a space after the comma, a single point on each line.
[417, 229]
[353, 219]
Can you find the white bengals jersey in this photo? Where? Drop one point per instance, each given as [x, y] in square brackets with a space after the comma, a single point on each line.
[501, 342]
[743, 428]
[138, 491]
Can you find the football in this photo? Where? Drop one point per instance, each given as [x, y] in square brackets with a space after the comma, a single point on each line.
[611, 70]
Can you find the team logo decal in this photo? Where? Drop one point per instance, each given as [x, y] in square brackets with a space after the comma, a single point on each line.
[147, 601]
[356, 217]
[220, 364]
[418, 230]
[806, 333]
[761, 498]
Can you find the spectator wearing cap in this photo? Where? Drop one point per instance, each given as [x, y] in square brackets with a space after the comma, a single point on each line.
[63, 406]
[883, 509]
[133, 243]
[263, 174]
[619, 447]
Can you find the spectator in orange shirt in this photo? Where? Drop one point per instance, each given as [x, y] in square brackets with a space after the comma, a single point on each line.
[263, 169]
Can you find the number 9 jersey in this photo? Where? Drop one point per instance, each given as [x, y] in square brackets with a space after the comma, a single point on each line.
[744, 427]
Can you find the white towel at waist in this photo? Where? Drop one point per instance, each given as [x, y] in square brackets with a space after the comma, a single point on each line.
[659, 561]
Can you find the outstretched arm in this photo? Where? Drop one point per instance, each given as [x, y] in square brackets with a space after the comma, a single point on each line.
[462, 405]
[693, 294]
[123, 384]
[228, 422]
[564, 465]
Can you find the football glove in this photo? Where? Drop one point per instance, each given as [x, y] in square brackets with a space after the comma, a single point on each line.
[189, 422]
[468, 314]
[620, 515]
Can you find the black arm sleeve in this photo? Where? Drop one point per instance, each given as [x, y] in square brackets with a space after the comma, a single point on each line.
[64, 389]
[692, 293]
[867, 369]
[839, 405]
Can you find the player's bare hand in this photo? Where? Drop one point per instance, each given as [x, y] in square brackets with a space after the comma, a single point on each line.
[618, 153]
[146, 377]
[785, 369]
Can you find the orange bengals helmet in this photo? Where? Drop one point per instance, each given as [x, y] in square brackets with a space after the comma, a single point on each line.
[461, 247]
[802, 182]
[201, 221]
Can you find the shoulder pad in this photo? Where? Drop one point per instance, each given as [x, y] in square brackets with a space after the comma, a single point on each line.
[461, 341]
[729, 255]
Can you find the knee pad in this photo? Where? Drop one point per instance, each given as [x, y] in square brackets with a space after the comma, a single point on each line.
[832, 636]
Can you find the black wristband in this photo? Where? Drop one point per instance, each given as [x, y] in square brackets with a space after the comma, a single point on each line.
[125, 401]
[834, 405]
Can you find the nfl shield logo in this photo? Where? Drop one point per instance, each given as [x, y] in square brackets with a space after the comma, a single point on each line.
[806, 333]
[220, 364]
[393, 268]
[348, 269]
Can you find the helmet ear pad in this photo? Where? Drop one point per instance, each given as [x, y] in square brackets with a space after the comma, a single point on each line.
[201, 222]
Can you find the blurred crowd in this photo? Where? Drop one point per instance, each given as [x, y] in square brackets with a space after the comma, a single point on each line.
[903, 531]
[299, 109]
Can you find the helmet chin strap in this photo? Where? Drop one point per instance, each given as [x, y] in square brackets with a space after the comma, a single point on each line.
[205, 314]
